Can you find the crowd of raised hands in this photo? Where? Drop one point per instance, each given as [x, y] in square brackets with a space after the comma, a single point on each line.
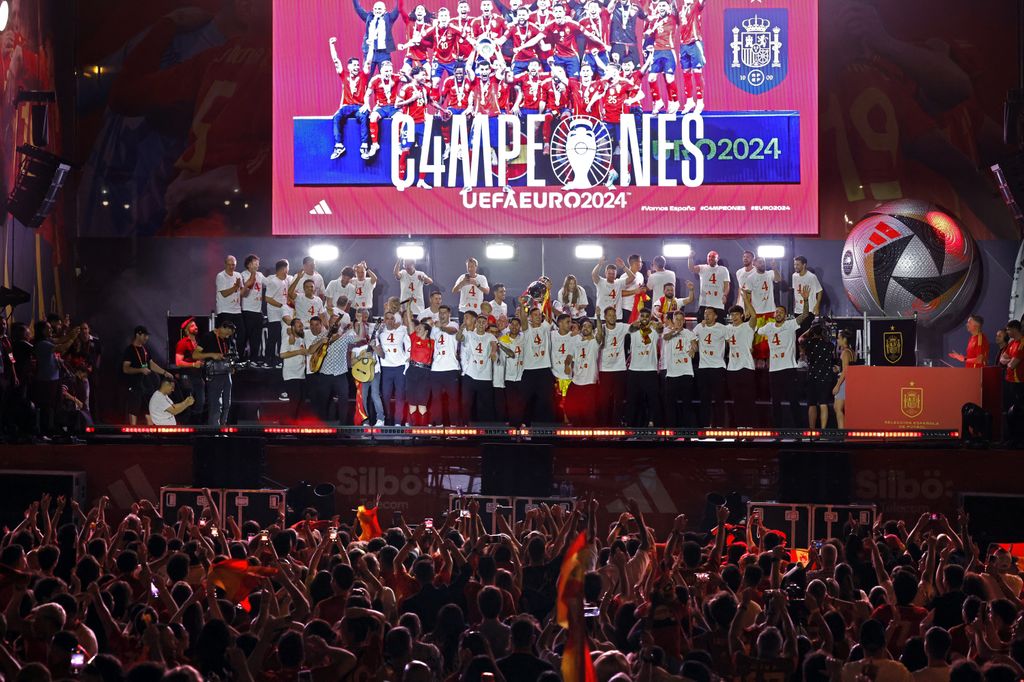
[108, 596]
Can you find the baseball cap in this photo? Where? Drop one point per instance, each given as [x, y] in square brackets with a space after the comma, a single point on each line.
[141, 329]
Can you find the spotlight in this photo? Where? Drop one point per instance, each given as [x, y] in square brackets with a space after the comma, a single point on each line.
[675, 250]
[500, 251]
[589, 251]
[5, 14]
[324, 253]
[411, 251]
[771, 251]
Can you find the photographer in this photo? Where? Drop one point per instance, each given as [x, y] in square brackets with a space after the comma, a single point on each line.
[218, 349]
[162, 410]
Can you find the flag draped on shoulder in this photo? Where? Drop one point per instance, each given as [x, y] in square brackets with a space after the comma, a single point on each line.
[576, 663]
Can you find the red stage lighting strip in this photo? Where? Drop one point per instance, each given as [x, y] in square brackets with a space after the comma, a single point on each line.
[812, 434]
[157, 429]
[229, 429]
[445, 431]
[593, 433]
[519, 432]
[301, 430]
[736, 433]
[885, 434]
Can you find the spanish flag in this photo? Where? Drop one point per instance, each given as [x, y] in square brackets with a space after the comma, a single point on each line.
[576, 663]
[639, 300]
[368, 522]
[238, 578]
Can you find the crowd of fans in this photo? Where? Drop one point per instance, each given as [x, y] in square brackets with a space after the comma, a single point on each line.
[100, 597]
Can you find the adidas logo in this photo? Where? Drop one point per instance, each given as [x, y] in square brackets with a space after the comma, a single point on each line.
[321, 209]
[883, 233]
[650, 494]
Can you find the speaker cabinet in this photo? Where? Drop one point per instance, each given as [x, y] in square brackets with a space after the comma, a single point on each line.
[814, 477]
[517, 470]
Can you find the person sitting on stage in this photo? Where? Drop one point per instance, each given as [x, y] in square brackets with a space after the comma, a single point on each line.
[162, 410]
[977, 345]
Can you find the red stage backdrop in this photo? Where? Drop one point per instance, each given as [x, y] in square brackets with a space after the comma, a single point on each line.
[749, 163]
[891, 398]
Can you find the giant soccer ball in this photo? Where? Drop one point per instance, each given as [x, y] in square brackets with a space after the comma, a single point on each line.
[910, 256]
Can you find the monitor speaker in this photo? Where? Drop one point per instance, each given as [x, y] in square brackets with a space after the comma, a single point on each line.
[814, 477]
[517, 470]
[994, 518]
[221, 462]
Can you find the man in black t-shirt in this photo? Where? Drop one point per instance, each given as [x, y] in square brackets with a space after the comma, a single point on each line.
[139, 370]
[218, 346]
[522, 663]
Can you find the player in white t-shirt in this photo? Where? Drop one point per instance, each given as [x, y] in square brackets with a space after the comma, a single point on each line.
[643, 398]
[611, 334]
[308, 271]
[395, 345]
[678, 348]
[307, 304]
[250, 335]
[342, 287]
[410, 284]
[538, 384]
[711, 375]
[294, 352]
[658, 278]
[471, 287]
[276, 295]
[666, 304]
[761, 284]
[632, 283]
[480, 349]
[499, 306]
[741, 276]
[781, 335]
[508, 402]
[444, 372]
[563, 347]
[364, 282]
[229, 292]
[608, 289]
[802, 277]
[582, 398]
[432, 313]
[742, 389]
[714, 285]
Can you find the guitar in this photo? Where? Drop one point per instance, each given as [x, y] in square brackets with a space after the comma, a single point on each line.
[316, 361]
[365, 365]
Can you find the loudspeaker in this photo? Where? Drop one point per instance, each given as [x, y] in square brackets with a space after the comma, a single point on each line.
[814, 477]
[994, 518]
[1009, 175]
[222, 462]
[39, 181]
[517, 470]
[22, 488]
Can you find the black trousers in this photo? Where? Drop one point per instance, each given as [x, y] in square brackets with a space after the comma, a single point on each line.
[784, 387]
[513, 402]
[444, 387]
[392, 387]
[711, 385]
[253, 336]
[192, 383]
[678, 394]
[742, 390]
[296, 389]
[643, 399]
[477, 400]
[270, 355]
[218, 394]
[581, 405]
[537, 393]
[610, 407]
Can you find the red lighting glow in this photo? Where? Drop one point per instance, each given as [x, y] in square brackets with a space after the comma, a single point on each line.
[157, 429]
[946, 228]
[229, 429]
[444, 431]
[300, 430]
[884, 434]
[592, 433]
[733, 433]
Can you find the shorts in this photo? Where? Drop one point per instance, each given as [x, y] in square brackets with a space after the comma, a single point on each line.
[570, 64]
[417, 385]
[589, 59]
[691, 56]
[664, 62]
[446, 68]
[520, 66]
[415, 139]
[841, 395]
[386, 111]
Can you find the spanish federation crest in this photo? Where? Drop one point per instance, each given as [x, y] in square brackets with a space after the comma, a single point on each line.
[893, 342]
[756, 55]
[912, 401]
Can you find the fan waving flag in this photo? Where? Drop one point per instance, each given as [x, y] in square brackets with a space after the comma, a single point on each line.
[576, 663]
[638, 304]
[368, 521]
[238, 578]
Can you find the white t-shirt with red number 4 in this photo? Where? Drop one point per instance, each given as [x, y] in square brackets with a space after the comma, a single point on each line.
[584, 362]
[781, 344]
[412, 289]
[762, 291]
[562, 346]
[712, 285]
[538, 339]
[471, 295]
[676, 354]
[609, 295]
[711, 344]
[613, 352]
[362, 293]
[306, 308]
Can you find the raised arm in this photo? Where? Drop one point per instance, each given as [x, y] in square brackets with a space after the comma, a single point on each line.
[595, 273]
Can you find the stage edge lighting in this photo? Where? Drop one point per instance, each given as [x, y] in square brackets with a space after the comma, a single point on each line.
[589, 251]
[410, 251]
[500, 251]
[325, 253]
[676, 250]
[771, 251]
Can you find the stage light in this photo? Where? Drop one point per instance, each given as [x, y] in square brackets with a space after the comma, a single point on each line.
[771, 251]
[5, 14]
[410, 251]
[676, 250]
[500, 251]
[325, 253]
[589, 251]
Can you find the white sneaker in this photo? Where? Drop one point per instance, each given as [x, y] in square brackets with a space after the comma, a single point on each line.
[673, 107]
[379, 422]
[364, 152]
[612, 177]
[422, 184]
[283, 397]
[658, 106]
[466, 189]
[446, 153]
[689, 106]
[339, 149]
[507, 189]
[374, 148]
[699, 107]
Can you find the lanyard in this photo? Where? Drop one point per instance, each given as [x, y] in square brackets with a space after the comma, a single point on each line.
[143, 356]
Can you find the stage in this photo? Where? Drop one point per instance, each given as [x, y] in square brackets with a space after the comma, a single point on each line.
[417, 474]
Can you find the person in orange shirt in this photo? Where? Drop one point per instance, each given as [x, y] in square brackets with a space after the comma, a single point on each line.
[977, 346]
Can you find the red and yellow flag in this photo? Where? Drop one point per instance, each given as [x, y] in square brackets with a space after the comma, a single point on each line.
[360, 414]
[639, 301]
[576, 663]
[238, 578]
[368, 523]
